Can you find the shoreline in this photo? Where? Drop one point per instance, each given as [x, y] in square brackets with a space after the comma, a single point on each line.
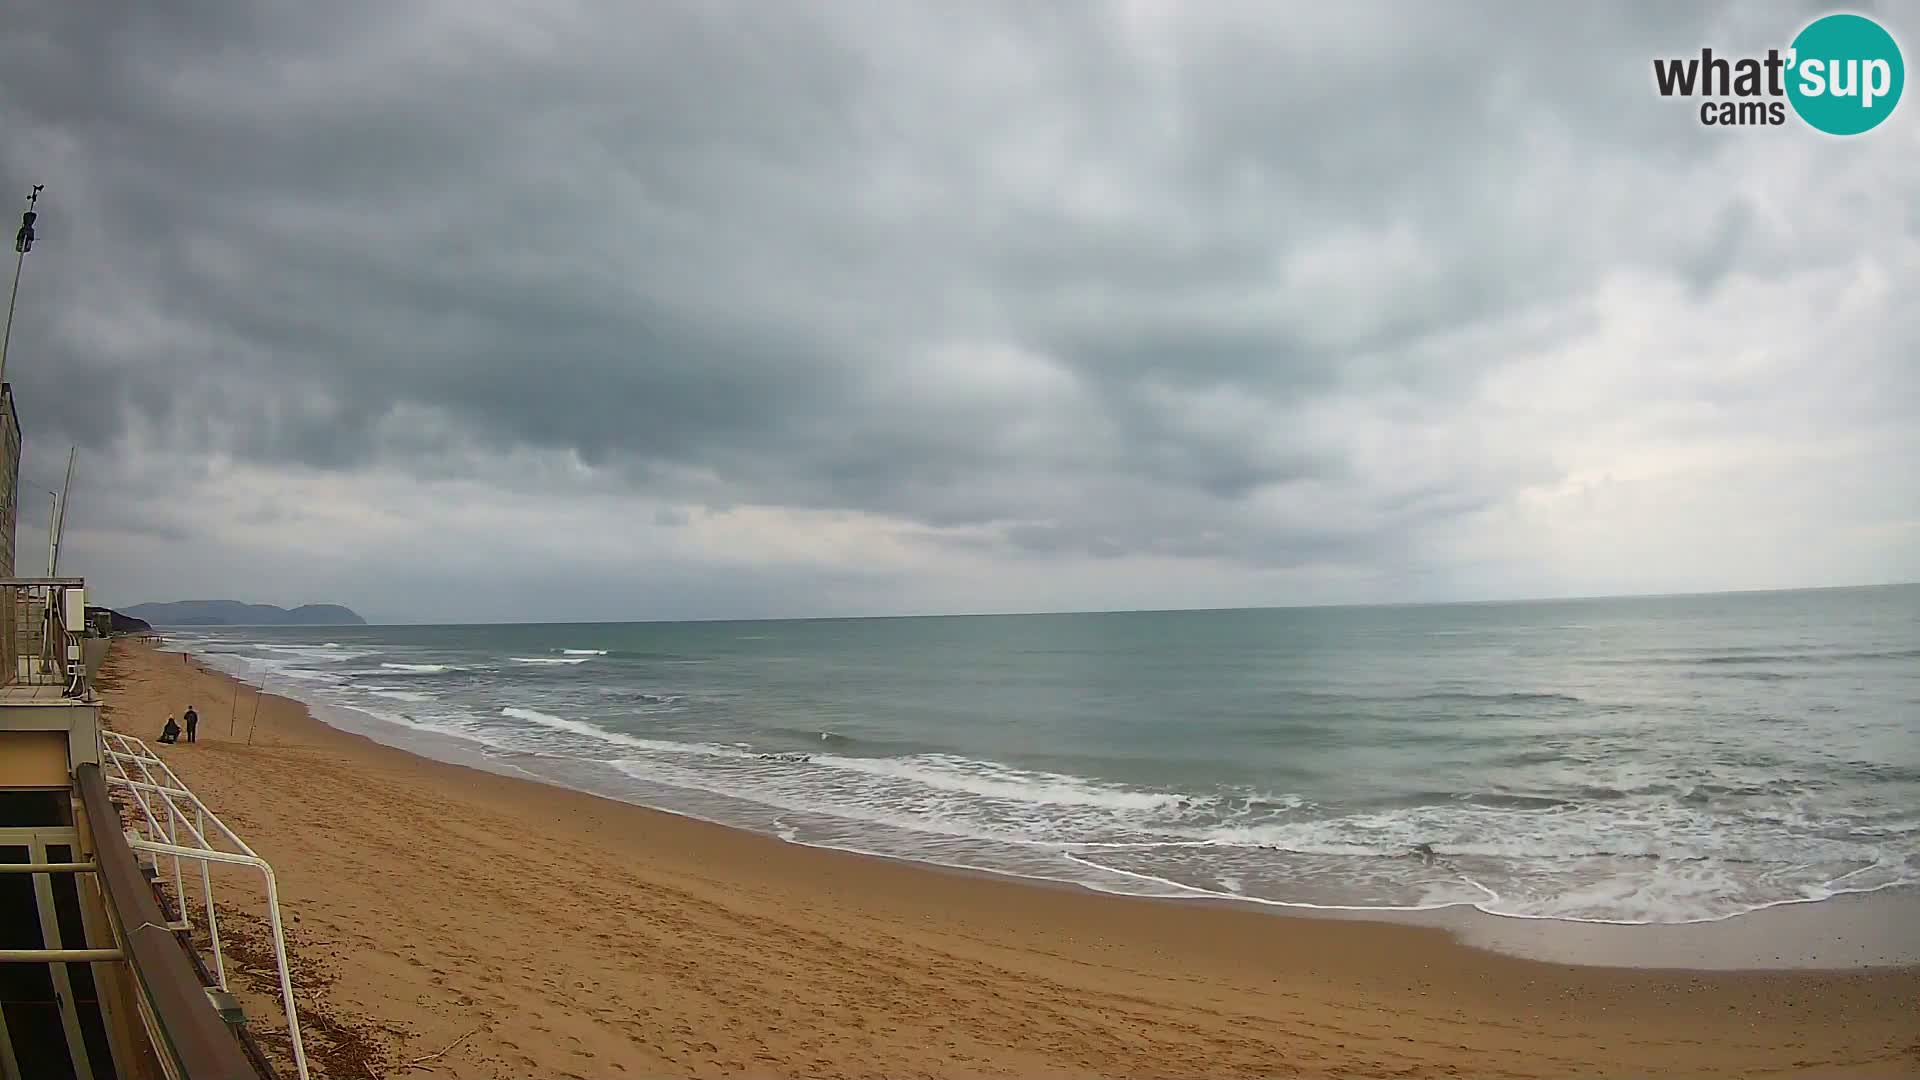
[1845, 931]
[567, 924]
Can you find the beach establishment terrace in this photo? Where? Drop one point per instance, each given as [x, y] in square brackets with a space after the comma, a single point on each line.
[106, 867]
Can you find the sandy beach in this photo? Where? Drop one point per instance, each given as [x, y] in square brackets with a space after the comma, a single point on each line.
[458, 923]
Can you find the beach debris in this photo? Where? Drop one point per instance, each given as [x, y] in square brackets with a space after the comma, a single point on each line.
[421, 1062]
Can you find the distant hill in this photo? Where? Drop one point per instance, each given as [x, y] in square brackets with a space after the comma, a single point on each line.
[234, 613]
[114, 622]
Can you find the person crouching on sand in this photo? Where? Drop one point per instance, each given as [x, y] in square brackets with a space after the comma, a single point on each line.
[170, 733]
[193, 723]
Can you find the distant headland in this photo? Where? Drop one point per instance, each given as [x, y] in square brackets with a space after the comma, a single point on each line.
[235, 613]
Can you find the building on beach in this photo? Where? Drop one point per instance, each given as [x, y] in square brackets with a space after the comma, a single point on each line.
[111, 963]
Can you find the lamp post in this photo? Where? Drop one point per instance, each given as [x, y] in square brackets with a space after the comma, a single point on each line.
[22, 243]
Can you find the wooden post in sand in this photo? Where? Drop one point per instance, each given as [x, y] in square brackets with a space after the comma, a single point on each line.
[255, 722]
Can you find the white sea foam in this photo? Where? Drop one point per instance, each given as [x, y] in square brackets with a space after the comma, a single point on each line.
[324, 695]
[584, 652]
[618, 738]
[421, 669]
[445, 726]
[947, 773]
[1639, 863]
[401, 695]
[550, 659]
[316, 653]
[290, 670]
[769, 784]
[1647, 829]
[1607, 863]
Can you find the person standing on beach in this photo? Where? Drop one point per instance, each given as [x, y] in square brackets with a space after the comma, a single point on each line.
[193, 722]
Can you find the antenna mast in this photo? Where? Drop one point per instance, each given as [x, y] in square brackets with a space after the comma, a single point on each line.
[22, 243]
[60, 519]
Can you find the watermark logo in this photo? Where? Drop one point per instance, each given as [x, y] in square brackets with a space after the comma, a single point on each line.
[1842, 74]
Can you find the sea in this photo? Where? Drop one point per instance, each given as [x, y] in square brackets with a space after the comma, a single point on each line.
[1645, 760]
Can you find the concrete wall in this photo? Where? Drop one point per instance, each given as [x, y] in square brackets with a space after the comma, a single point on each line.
[77, 721]
[33, 759]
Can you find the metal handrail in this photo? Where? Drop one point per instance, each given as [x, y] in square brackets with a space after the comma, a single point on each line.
[61, 956]
[159, 783]
[172, 1003]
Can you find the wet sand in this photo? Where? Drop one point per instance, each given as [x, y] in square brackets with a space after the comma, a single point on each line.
[476, 925]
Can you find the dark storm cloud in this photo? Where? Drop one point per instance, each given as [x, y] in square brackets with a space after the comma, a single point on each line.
[1107, 279]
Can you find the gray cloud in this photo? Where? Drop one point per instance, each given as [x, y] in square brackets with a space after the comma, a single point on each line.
[1217, 287]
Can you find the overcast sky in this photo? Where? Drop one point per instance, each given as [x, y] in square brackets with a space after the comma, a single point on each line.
[530, 309]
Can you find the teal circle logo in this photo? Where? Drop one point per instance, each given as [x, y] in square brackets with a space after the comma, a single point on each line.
[1846, 74]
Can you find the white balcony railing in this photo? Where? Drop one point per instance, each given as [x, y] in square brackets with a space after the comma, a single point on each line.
[171, 824]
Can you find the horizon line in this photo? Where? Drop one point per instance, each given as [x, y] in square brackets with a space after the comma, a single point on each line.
[1576, 598]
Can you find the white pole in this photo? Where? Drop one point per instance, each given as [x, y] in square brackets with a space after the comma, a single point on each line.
[53, 518]
[6, 336]
[206, 892]
[60, 521]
